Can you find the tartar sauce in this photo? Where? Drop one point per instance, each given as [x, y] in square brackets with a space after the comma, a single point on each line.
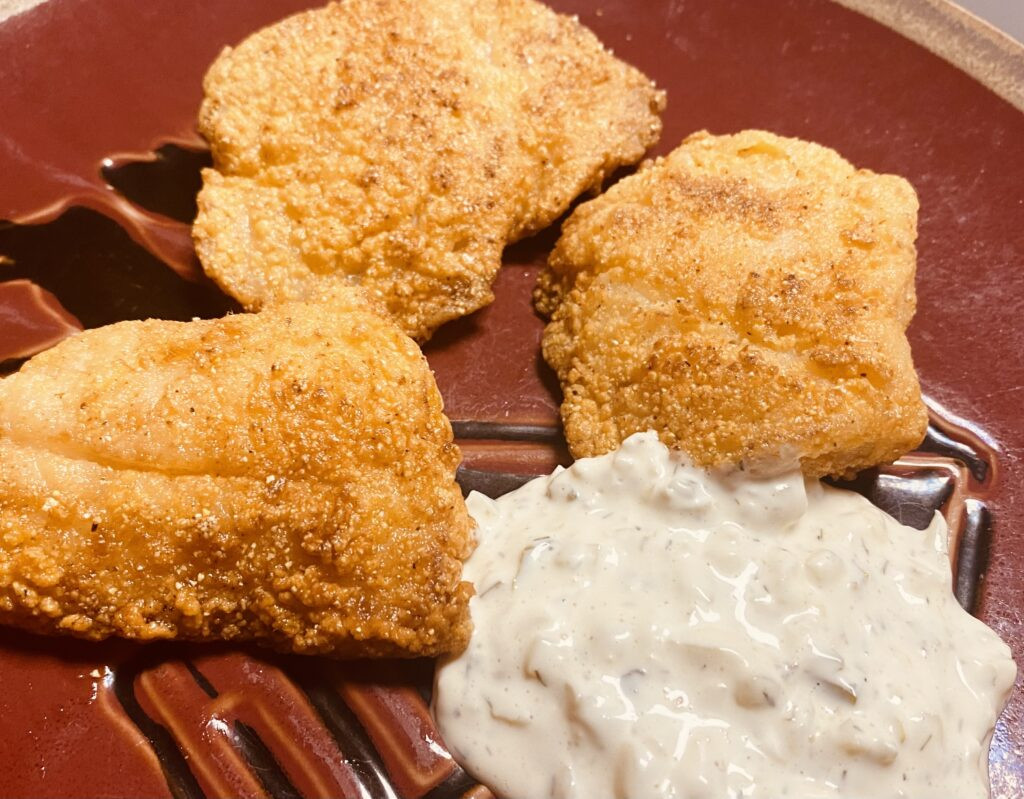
[644, 628]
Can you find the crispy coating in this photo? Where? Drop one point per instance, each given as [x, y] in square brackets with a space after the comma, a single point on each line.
[286, 477]
[401, 145]
[747, 297]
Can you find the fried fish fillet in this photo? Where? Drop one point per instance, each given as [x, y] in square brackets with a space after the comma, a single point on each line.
[746, 297]
[286, 477]
[400, 145]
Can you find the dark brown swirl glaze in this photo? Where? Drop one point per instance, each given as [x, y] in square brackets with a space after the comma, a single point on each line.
[98, 192]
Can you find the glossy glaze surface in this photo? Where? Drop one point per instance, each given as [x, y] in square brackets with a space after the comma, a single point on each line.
[111, 79]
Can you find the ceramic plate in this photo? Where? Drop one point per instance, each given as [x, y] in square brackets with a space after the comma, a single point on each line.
[99, 165]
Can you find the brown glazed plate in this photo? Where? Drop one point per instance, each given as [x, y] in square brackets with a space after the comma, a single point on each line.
[99, 165]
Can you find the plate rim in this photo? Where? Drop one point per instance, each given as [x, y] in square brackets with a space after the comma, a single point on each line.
[976, 47]
[988, 54]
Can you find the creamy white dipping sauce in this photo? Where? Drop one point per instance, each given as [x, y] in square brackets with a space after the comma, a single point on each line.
[647, 629]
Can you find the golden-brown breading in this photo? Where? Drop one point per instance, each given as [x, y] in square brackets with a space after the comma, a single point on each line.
[286, 476]
[746, 296]
[400, 145]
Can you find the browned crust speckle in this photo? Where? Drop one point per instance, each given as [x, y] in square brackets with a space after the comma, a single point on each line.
[402, 145]
[747, 297]
[286, 476]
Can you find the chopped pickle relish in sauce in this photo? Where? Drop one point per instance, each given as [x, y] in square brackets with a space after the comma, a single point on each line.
[644, 628]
